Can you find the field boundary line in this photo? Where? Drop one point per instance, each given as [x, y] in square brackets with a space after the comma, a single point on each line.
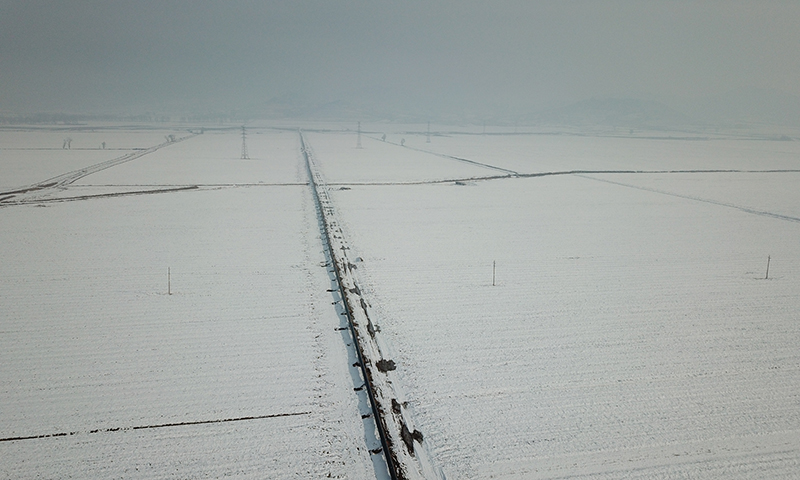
[509, 173]
[147, 427]
[65, 179]
[753, 211]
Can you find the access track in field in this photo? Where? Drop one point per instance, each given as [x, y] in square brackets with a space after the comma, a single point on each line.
[19, 195]
[401, 443]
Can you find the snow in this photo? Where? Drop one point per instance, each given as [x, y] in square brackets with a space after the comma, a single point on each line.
[546, 153]
[25, 167]
[214, 158]
[30, 156]
[400, 440]
[93, 342]
[768, 193]
[630, 332]
[382, 162]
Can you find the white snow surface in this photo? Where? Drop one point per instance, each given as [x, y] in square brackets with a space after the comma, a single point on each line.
[214, 158]
[34, 155]
[548, 153]
[630, 333]
[94, 347]
[383, 162]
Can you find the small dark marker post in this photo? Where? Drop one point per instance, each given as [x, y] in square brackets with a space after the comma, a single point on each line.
[494, 270]
[169, 282]
[766, 277]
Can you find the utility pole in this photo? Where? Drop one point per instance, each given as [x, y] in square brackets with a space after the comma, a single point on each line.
[244, 156]
[766, 277]
[428, 140]
[358, 143]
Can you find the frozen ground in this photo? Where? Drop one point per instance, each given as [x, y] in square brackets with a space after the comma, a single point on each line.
[630, 332]
[244, 352]
[545, 153]
[213, 158]
[33, 155]
[383, 162]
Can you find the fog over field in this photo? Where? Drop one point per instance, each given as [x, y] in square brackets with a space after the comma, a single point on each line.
[504, 61]
[399, 240]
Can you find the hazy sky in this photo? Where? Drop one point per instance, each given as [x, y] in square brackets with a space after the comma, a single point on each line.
[117, 55]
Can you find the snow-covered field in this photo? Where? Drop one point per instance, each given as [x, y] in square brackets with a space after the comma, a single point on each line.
[213, 158]
[92, 342]
[383, 162]
[630, 332]
[30, 156]
[544, 153]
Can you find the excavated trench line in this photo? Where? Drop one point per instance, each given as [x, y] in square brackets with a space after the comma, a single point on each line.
[401, 442]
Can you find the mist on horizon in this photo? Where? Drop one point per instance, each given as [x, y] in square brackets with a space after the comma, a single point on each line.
[446, 59]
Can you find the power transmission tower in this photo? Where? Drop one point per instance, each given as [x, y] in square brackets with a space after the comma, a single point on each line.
[244, 156]
[358, 144]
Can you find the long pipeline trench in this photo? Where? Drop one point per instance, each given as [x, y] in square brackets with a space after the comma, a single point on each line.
[401, 444]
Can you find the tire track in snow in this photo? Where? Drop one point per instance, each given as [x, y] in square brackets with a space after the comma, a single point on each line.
[514, 174]
[509, 173]
[550, 174]
[102, 195]
[753, 211]
[589, 172]
[165, 189]
[66, 179]
[419, 182]
[147, 427]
